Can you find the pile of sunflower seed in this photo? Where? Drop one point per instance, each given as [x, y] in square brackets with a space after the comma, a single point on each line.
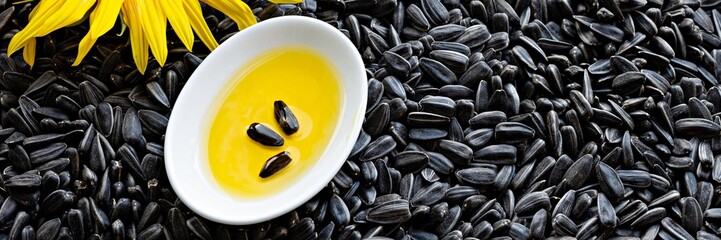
[486, 119]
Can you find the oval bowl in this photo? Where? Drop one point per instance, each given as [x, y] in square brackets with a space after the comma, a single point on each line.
[185, 160]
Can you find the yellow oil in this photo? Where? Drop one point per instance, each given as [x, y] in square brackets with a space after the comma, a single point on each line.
[308, 84]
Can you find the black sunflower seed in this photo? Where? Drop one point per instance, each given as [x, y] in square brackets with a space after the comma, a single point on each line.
[441, 74]
[673, 229]
[513, 132]
[532, 202]
[693, 217]
[378, 148]
[576, 175]
[435, 11]
[476, 176]
[697, 127]
[487, 119]
[264, 135]
[609, 182]
[285, 117]
[429, 194]
[438, 105]
[606, 212]
[417, 18]
[398, 64]
[394, 211]
[457, 152]
[479, 138]
[496, 154]
[274, 164]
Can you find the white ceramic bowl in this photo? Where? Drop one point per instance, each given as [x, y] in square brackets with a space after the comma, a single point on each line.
[185, 160]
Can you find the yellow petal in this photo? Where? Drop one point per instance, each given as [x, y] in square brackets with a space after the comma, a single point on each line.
[83, 48]
[103, 17]
[173, 9]
[153, 21]
[195, 15]
[29, 52]
[101, 21]
[42, 6]
[138, 43]
[37, 19]
[69, 13]
[285, 1]
[236, 10]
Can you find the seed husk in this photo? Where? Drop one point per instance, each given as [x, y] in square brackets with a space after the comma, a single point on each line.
[285, 117]
[429, 194]
[698, 127]
[410, 161]
[531, 203]
[389, 212]
[499, 154]
[477, 176]
[339, 211]
[264, 135]
[609, 181]
[377, 120]
[606, 212]
[674, 229]
[513, 132]
[275, 163]
[417, 18]
[439, 72]
[693, 217]
[378, 148]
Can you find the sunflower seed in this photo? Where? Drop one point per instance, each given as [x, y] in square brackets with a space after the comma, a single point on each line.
[429, 194]
[457, 152]
[455, 61]
[498, 41]
[410, 161]
[606, 212]
[575, 176]
[423, 119]
[693, 216]
[398, 65]
[275, 163]
[417, 18]
[476, 176]
[395, 211]
[152, 232]
[377, 120]
[609, 182]
[285, 117]
[496, 154]
[697, 127]
[378, 148]
[512, 132]
[441, 74]
[435, 11]
[530, 203]
[487, 119]
[674, 229]
[154, 122]
[339, 211]
[264, 135]
[438, 105]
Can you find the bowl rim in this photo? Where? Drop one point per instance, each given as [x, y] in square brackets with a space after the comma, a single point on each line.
[175, 124]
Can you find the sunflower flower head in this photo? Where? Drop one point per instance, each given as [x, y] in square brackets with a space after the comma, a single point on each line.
[146, 21]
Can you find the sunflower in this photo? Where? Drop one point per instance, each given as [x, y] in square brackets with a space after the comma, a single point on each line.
[146, 21]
